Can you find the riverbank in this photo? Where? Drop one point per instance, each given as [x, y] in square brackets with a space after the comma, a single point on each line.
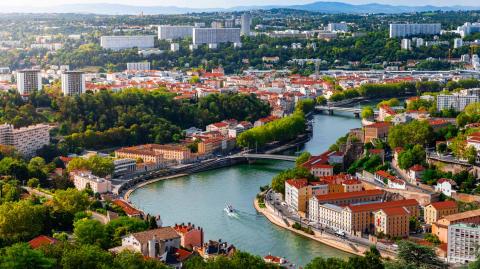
[324, 238]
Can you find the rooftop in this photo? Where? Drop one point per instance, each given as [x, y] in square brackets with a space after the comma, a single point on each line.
[444, 204]
[347, 195]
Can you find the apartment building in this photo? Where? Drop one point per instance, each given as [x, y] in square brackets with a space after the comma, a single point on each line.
[296, 194]
[138, 66]
[378, 130]
[392, 222]
[440, 228]
[455, 101]
[28, 81]
[346, 198]
[327, 215]
[26, 140]
[435, 211]
[173, 32]
[73, 83]
[124, 166]
[320, 170]
[216, 35]
[85, 179]
[246, 24]
[127, 42]
[156, 243]
[463, 242]
[154, 153]
[337, 26]
[407, 29]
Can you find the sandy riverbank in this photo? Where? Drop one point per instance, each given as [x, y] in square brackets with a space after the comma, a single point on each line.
[323, 238]
[131, 190]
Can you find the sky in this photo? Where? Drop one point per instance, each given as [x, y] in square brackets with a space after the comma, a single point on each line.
[224, 3]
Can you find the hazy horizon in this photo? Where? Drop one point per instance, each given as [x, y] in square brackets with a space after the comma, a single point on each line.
[228, 4]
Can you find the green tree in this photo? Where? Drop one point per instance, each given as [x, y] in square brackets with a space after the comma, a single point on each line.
[305, 156]
[134, 260]
[20, 221]
[21, 256]
[91, 232]
[70, 201]
[367, 112]
[411, 254]
[122, 226]
[86, 257]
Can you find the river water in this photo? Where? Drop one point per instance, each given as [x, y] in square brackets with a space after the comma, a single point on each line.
[200, 199]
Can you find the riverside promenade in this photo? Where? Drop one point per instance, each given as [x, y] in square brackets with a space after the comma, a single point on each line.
[344, 244]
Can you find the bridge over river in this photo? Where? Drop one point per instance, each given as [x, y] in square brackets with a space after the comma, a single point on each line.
[330, 109]
[268, 157]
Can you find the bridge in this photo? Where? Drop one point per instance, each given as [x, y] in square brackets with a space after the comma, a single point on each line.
[268, 157]
[331, 109]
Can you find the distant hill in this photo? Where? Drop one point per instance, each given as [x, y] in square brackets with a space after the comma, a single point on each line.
[326, 7]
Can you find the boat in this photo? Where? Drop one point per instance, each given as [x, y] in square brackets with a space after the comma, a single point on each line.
[229, 209]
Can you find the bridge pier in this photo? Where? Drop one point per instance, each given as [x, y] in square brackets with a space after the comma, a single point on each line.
[357, 114]
[330, 112]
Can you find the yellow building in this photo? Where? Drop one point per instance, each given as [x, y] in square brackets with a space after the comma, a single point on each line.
[392, 222]
[440, 228]
[435, 211]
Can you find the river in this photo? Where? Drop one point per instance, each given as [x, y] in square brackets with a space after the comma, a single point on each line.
[200, 199]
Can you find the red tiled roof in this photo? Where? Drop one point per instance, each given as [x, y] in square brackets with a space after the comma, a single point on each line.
[347, 195]
[321, 165]
[417, 168]
[442, 180]
[41, 240]
[351, 182]
[380, 124]
[444, 204]
[378, 206]
[384, 174]
[182, 254]
[298, 183]
[395, 211]
[129, 210]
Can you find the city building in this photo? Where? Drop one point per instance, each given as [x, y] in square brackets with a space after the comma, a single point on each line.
[468, 29]
[124, 166]
[215, 35]
[156, 243]
[139, 66]
[337, 27]
[406, 44]
[127, 42]
[25, 140]
[296, 194]
[190, 236]
[173, 32]
[377, 130]
[85, 179]
[457, 43]
[246, 24]
[446, 186]
[404, 30]
[320, 170]
[440, 228]
[435, 211]
[154, 153]
[456, 102]
[73, 83]
[28, 81]
[392, 222]
[463, 242]
[346, 198]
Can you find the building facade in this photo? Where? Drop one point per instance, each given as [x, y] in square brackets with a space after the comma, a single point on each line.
[28, 81]
[392, 222]
[246, 24]
[403, 30]
[435, 211]
[296, 194]
[127, 42]
[138, 66]
[216, 35]
[455, 101]
[173, 32]
[85, 179]
[26, 140]
[73, 83]
[463, 243]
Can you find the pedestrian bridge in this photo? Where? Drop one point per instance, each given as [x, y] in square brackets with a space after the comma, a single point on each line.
[269, 157]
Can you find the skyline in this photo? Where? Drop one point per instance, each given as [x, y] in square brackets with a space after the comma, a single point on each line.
[225, 4]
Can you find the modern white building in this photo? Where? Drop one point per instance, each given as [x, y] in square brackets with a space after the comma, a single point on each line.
[29, 81]
[124, 166]
[26, 140]
[468, 29]
[174, 47]
[246, 24]
[73, 83]
[406, 44]
[337, 27]
[327, 215]
[455, 101]
[457, 43]
[85, 179]
[463, 242]
[138, 66]
[215, 35]
[127, 42]
[446, 186]
[172, 32]
[411, 29]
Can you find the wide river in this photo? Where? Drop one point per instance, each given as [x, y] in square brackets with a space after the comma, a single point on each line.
[200, 199]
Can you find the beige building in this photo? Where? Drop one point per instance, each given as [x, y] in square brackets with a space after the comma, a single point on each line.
[440, 228]
[296, 192]
[85, 179]
[392, 221]
[378, 130]
[26, 140]
[346, 198]
[435, 211]
[154, 153]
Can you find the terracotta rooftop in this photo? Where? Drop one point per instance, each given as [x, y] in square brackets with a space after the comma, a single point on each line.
[161, 234]
[378, 206]
[127, 208]
[395, 211]
[347, 195]
[445, 204]
[41, 240]
[298, 183]
[417, 168]
[463, 215]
